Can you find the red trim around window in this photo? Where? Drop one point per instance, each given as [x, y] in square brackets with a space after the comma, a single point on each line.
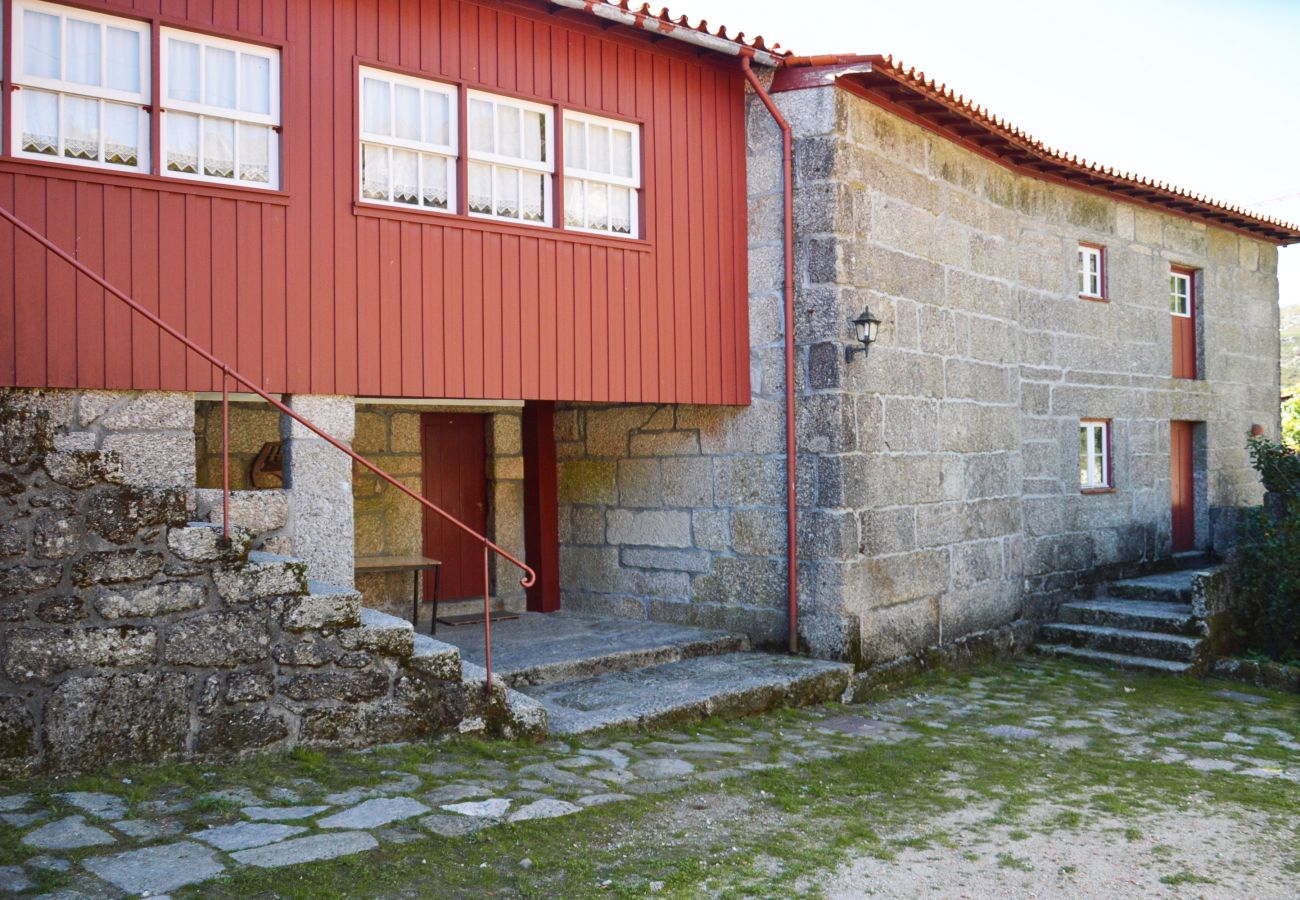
[1102, 263]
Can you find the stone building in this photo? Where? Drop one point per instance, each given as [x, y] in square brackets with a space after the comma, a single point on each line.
[1067, 366]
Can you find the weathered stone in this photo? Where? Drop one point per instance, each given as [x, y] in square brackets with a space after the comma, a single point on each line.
[42, 652]
[346, 686]
[71, 833]
[260, 578]
[17, 733]
[492, 808]
[114, 566]
[307, 849]
[61, 610]
[243, 835]
[218, 639]
[22, 579]
[245, 687]
[323, 608]
[157, 870]
[454, 826]
[154, 600]
[282, 813]
[57, 535]
[546, 808]
[91, 720]
[661, 768]
[120, 514]
[97, 804]
[374, 813]
[239, 730]
[203, 543]
[145, 830]
[655, 528]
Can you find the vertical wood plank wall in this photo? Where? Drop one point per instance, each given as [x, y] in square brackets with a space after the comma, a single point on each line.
[308, 293]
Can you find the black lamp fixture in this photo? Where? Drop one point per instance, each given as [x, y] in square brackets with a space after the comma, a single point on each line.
[864, 329]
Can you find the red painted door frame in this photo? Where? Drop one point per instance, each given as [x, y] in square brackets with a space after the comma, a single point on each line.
[1182, 490]
[454, 447]
[541, 506]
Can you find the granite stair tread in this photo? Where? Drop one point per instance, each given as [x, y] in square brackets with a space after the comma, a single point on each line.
[728, 684]
[1167, 586]
[1115, 660]
[1133, 615]
[1156, 644]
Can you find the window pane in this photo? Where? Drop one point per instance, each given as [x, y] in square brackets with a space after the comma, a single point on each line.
[219, 77]
[620, 210]
[406, 177]
[598, 148]
[597, 206]
[81, 128]
[1083, 456]
[182, 70]
[622, 153]
[182, 143]
[40, 122]
[480, 126]
[122, 134]
[406, 112]
[534, 136]
[83, 52]
[435, 180]
[480, 188]
[255, 153]
[508, 132]
[507, 192]
[255, 83]
[218, 147]
[374, 172]
[40, 44]
[123, 62]
[574, 211]
[374, 103]
[437, 118]
[534, 197]
[575, 145]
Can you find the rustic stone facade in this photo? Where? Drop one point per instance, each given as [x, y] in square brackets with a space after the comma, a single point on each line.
[251, 426]
[130, 634]
[938, 478]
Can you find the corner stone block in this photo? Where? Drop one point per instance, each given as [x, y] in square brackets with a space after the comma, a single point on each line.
[318, 478]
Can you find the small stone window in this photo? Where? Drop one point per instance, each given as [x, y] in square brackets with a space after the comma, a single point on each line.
[1094, 455]
[1092, 272]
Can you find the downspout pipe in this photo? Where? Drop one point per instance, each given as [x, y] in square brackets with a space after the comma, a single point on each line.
[791, 474]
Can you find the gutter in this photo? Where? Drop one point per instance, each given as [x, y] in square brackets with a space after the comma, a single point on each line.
[791, 493]
[657, 25]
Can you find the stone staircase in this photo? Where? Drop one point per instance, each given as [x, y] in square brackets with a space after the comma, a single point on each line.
[1141, 624]
[591, 673]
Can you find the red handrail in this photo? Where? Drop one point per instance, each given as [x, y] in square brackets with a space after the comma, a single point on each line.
[530, 576]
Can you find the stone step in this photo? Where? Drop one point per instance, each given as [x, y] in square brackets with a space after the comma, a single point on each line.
[540, 648]
[731, 684]
[1132, 615]
[1151, 644]
[322, 606]
[262, 575]
[1114, 660]
[1169, 587]
[383, 634]
[435, 659]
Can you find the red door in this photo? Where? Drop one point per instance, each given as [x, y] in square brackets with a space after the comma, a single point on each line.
[1182, 308]
[455, 478]
[1180, 475]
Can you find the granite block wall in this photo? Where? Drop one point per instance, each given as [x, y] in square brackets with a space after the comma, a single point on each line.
[938, 477]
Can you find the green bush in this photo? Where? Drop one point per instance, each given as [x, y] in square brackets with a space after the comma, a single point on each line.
[1268, 554]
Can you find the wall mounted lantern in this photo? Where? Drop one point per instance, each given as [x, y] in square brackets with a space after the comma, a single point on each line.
[864, 329]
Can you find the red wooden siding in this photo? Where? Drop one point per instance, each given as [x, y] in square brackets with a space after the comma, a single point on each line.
[307, 292]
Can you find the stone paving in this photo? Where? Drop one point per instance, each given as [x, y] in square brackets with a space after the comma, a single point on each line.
[121, 840]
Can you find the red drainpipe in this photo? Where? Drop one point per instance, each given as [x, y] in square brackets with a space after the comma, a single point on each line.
[791, 497]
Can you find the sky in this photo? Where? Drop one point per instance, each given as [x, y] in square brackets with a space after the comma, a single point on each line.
[1198, 93]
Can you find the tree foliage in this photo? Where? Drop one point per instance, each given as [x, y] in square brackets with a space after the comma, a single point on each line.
[1268, 553]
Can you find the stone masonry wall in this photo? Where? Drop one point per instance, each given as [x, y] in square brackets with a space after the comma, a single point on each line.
[938, 478]
[251, 426]
[126, 633]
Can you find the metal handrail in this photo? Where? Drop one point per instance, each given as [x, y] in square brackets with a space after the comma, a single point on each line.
[227, 373]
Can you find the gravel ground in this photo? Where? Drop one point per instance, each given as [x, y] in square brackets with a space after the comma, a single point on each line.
[1226, 853]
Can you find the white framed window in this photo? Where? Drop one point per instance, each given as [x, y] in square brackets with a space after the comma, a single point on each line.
[1092, 271]
[602, 175]
[221, 110]
[1180, 293]
[511, 161]
[409, 141]
[1094, 454]
[85, 81]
